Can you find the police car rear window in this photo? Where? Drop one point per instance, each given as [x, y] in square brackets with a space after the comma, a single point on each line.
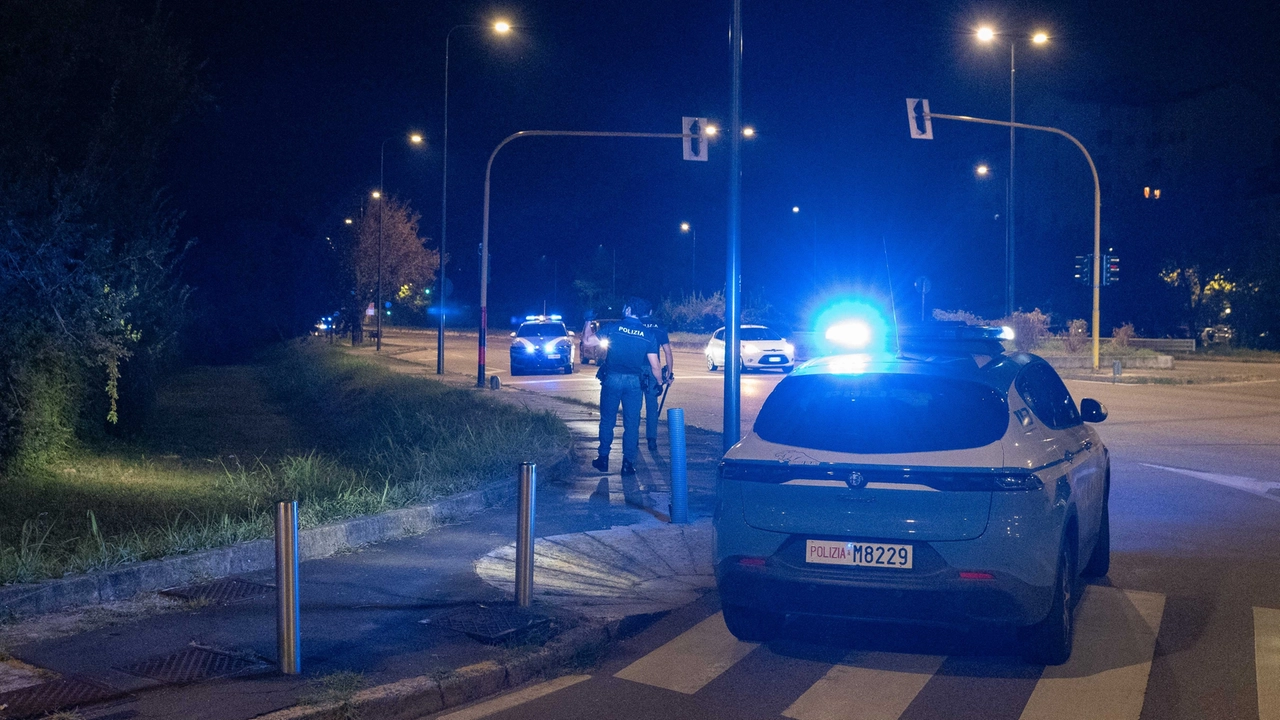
[882, 413]
[541, 330]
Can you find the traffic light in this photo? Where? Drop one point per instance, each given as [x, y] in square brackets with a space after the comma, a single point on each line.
[1084, 269]
[1110, 269]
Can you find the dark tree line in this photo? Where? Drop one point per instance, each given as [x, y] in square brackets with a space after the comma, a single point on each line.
[90, 307]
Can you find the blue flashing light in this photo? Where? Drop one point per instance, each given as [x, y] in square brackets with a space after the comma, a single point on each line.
[852, 326]
[557, 317]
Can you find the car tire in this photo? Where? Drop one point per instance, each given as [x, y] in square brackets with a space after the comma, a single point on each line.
[568, 369]
[711, 365]
[1049, 641]
[1100, 559]
[751, 625]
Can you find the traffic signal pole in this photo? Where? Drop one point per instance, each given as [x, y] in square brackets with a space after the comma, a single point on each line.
[484, 236]
[1097, 202]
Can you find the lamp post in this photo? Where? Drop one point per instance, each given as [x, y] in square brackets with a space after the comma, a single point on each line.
[987, 34]
[795, 210]
[416, 139]
[501, 27]
[693, 257]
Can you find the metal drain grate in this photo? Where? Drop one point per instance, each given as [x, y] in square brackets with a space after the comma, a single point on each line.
[221, 591]
[193, 665]
[52, 696]
[491, 624]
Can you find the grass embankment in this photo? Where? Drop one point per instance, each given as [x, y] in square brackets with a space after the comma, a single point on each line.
[342, 436]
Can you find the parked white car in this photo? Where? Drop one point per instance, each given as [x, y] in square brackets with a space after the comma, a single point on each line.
[761, 348]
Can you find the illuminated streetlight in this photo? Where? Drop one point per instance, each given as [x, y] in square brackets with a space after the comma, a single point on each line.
[693, 257]
[710, 130]
[501, 27]
[795, 208]
[375, 194]
[415, 138]
[348, 221]
[982, 170]
[987, 34]
[748, 132]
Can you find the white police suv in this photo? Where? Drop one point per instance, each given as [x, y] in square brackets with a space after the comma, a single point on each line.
[947, 482]
[542, 343]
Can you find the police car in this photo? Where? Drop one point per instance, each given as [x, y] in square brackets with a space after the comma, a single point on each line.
[542, 343]
[944, 482]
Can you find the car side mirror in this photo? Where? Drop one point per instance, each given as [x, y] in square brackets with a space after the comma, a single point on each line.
[1092, 411]
[513, 334]
[571, 334]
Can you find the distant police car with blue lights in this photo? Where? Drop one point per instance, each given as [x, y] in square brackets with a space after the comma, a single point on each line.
[943, 482]
[542, 343]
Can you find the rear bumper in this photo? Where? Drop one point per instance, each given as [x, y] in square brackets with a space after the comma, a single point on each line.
[938, 598]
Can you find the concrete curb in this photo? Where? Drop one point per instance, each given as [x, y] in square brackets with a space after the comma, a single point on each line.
[418, 697]
[318, 542]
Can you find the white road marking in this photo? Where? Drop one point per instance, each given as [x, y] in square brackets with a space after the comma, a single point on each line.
[1266, 650]
[517, 698]
[866, 686]
[1106, 677]
[1261, 488]
[691, 660]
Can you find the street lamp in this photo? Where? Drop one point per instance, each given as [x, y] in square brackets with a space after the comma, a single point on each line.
[795, 210]
[987, 34]
[982, 170]
[501, 27]
[415, 139]
[693, 257]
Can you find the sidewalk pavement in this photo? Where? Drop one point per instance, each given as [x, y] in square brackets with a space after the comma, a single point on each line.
[604, 553]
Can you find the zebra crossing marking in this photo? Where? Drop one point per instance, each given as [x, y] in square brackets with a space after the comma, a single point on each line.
[866, 686]
[1106, 677]
[690, 660]
[1266, 651]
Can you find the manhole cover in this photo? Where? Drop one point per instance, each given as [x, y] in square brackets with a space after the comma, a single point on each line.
[192, 665]
[52, 696]
[221, 591]
[491, 624]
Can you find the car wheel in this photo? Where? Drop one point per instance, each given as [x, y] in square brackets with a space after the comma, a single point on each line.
[1100, 560]
[568, 369]
[750, 625]
[1048, 642]
[711, 365]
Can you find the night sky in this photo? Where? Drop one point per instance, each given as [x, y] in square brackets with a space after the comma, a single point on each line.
[303, 95]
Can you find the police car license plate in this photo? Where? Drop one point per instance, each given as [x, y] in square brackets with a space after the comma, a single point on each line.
[834, 552]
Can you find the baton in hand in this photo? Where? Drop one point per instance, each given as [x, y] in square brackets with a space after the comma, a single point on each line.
[665, 388]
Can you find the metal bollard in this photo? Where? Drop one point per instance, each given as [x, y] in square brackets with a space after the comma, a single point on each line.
[524, 534]
[679, 473]
[288, 642]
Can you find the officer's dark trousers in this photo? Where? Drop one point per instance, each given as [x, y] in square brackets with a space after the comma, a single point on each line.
[624, 389]
[651, 413]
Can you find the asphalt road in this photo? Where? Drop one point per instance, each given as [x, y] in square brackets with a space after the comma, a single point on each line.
[1186, 625]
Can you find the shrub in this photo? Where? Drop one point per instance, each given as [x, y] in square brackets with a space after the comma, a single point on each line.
[1029, 329]
[1076, 336]
[963, 316]
[695, 313]
[1121, 336]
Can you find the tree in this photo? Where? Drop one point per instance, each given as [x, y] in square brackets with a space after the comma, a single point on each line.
[408, 268]
[88, 101]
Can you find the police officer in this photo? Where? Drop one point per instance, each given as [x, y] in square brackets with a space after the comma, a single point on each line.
[653, 392]
[632, 359]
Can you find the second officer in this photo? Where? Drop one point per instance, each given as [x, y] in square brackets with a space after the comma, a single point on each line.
[632, 359]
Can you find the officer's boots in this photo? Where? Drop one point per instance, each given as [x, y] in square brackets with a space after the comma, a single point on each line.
[628, 468]
[601, 463]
